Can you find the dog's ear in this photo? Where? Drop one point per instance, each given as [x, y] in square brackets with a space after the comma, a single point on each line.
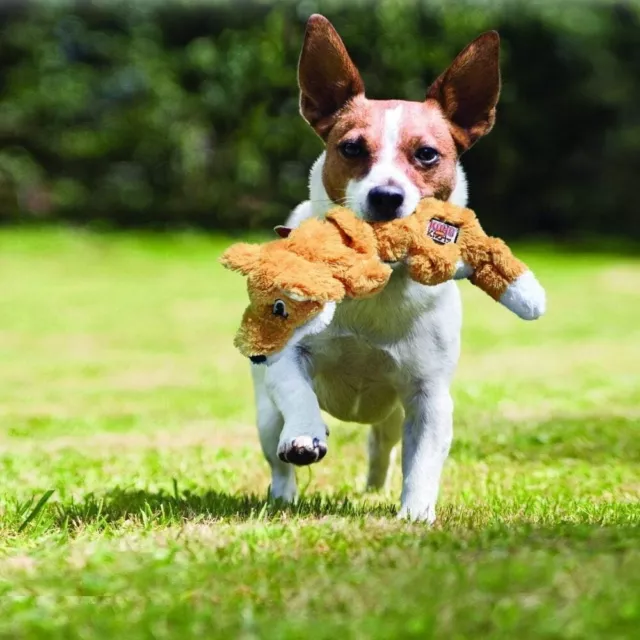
[468, 90]
[327, 77]
[308, 281]
[241, 257]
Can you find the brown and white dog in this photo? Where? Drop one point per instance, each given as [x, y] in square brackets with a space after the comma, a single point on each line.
[387, 361]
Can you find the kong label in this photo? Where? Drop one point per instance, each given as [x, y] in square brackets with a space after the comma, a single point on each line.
[441, 232]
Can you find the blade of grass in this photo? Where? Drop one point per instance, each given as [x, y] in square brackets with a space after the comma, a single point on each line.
[36, 510]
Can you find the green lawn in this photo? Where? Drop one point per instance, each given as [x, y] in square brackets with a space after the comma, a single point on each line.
[120, 390]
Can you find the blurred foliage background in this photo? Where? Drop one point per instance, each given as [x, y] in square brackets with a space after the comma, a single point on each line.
[165, 114]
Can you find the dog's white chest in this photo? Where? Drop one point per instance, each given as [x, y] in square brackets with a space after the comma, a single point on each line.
[374, 348]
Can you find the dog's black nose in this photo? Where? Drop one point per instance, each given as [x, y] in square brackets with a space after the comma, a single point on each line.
[258, 359]
[384, 202]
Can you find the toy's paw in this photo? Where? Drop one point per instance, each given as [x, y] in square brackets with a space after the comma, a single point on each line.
[302, 450]
[525, 297]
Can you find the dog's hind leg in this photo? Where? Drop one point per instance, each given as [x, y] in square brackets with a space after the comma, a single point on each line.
[270, 424]
[383, 438]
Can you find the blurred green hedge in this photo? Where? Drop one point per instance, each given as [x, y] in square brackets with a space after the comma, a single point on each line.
[186, 113]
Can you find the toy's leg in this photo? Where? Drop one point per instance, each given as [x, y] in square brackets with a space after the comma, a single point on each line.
[503, 277]
[435, 265]
[366, 277]
[518, 290]
[383, 438]
[270, 423]
[303, 439]
[428, 431]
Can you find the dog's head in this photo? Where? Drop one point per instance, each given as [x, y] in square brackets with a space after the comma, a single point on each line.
[289, 298]
[383, 156]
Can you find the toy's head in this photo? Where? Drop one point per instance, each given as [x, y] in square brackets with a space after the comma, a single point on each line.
[289, 298]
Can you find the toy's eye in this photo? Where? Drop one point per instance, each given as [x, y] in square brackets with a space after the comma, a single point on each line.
[352, 150]
[280, 309]
[427, 156]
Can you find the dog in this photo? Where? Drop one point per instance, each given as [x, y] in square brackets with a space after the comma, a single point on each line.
[389, 360]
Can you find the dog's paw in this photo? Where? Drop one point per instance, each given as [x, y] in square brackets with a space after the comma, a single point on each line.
[425, 514]
[302, 450]
[283, 488]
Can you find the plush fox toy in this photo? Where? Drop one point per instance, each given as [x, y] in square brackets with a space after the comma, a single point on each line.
[294, 280]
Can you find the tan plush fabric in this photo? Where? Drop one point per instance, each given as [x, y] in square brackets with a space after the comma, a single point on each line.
[431, 263]
[326, 260]
[321, 261]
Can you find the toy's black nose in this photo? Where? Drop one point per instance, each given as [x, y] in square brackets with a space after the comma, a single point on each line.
[384, 203]
[258, 359]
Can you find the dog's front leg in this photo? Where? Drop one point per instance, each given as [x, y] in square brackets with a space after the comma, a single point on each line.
[303, 439]
[428, 431]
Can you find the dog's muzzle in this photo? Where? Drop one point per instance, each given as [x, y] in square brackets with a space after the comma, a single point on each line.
[385, 203]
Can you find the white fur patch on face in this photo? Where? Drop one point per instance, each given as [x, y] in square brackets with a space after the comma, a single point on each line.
[391, 134]
[459, 195]
[385, 171]
[318, 196]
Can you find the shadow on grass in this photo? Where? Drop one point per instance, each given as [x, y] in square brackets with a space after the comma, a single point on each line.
[459, 530]
[162, 508]
[510, 526]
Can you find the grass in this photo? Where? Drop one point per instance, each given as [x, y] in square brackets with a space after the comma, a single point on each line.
[133, 502]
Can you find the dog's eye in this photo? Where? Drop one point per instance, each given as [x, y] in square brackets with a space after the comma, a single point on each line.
[352, 150]
[427, 156]
[280, 309]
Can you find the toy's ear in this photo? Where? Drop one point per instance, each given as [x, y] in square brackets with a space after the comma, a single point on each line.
[283, 231]
[307, 281]
[241, 257]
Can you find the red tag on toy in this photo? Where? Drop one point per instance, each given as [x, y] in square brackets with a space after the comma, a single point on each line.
[441, 232]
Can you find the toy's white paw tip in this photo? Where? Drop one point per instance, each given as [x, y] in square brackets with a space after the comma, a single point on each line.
[525, 297]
